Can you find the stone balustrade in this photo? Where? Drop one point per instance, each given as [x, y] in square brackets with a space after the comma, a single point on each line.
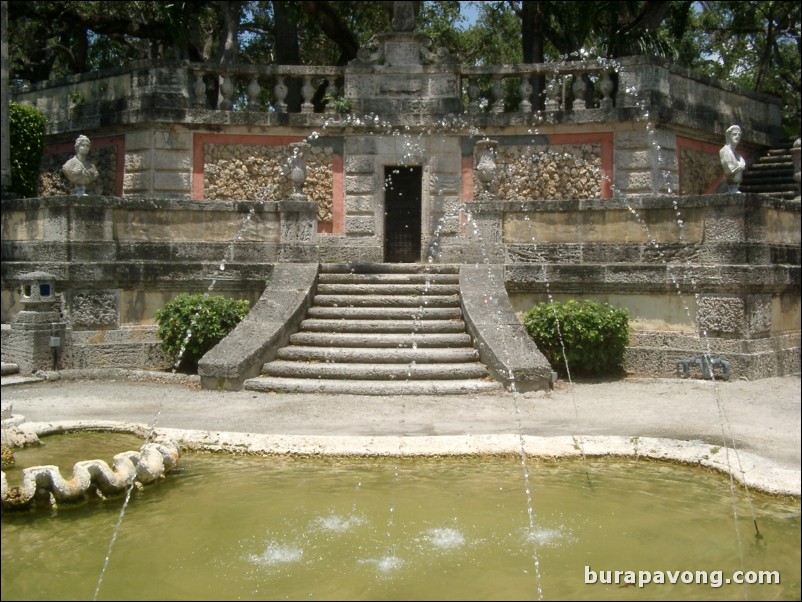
[261, 87]
[571, 85]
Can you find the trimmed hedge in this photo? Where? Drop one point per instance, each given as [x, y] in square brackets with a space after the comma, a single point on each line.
[26, 133]
[584, 338]
[190, 325]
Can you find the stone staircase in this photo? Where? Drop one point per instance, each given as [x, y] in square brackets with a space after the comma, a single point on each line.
[380, 329]
[772, 174]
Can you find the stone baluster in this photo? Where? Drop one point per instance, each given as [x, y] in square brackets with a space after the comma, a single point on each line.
[473, 95]
[226, 92]
[280, 92]
[553, 93]
[307, 92]
[331, 95]
[606, 88]
[525, 90]
[254, 89]
[199, 91]
[580, 87]
[498, 94]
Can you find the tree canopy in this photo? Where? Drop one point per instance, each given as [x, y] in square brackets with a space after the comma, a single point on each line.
[752, 43]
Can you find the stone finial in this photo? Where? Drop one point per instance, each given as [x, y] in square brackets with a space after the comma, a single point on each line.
[403, 15]
[732, 163]
[79, 170]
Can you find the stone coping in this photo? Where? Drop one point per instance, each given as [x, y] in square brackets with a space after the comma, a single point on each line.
[751, 470]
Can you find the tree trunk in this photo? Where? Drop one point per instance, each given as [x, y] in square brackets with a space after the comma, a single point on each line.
[532, 40]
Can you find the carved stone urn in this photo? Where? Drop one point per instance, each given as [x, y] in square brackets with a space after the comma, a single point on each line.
[486, 164]
[298, 165]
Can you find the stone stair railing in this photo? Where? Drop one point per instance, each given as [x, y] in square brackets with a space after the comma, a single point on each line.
[380, 329]
[46, 484]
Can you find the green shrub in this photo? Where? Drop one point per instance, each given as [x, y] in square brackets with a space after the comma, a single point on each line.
[190, 325]
[26, 134]
[590, 337]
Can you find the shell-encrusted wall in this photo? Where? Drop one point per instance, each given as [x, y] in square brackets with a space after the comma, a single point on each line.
[567, 171]
[700, 170]
[261, 173]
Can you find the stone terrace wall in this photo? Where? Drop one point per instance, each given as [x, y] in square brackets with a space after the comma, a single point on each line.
[716, 273]
[116, 261]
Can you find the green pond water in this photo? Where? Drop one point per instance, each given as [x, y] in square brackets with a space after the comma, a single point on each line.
[223, 527]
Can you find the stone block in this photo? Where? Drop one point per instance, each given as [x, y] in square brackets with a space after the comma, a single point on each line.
[360, 184]
[360, 203]
[359, 164]
[360, 225]
[721, 316]
[94, 309]
[172, 182]
[138, 140]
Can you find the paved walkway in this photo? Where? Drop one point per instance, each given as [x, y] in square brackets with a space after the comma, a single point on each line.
[749, 428]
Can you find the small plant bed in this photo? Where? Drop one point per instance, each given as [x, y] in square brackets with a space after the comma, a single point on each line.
[191, 325]
[580, 338]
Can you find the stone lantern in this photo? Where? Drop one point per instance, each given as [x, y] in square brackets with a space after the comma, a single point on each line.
[37, 329]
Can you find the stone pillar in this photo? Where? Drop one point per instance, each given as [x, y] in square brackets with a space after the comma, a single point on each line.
[37, 331]
[483, 233]
[298, 242]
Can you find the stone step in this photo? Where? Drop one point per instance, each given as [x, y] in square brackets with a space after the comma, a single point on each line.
[343, 325]
[401, 278]
[372, 387]
[419, 290]
[374, 340]
[386, 313]
[386, 300]
[774, 162]
[388, 268]
[380, 329]
[767, 188]
[374, 371]
[768, 180]
[382, 355]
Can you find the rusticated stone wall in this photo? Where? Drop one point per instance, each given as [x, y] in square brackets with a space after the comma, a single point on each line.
[257, 172]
